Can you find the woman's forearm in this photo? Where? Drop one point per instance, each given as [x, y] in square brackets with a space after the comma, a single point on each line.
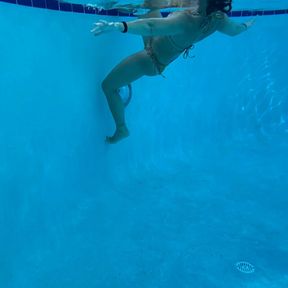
[242, 27]
[143, 27]
[232, 28]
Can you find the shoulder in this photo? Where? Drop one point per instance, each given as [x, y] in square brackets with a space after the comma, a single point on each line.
[185, 14]
[192, 14]
[219, 19]
[185, 17]
[218, 15]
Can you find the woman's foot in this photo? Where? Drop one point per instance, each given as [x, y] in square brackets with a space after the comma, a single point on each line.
[120, 133]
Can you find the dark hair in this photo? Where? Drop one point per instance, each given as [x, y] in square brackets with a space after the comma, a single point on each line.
[219, 5]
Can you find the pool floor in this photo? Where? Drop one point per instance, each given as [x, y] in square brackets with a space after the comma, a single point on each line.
[183, 226]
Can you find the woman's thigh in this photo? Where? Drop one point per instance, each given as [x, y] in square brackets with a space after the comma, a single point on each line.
[130, 69]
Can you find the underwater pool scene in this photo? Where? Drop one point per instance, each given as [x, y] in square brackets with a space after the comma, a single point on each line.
[196, 196]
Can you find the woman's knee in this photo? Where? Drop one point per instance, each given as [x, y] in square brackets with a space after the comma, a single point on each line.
[107, 86]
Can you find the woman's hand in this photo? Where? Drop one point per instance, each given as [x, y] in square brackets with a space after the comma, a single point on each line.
[103, 26]
[250, 22]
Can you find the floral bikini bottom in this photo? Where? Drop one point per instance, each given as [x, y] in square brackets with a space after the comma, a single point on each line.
[160, 67]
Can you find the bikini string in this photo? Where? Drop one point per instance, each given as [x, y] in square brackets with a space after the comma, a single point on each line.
[187, 52]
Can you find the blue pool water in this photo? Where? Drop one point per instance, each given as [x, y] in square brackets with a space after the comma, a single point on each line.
[200, 185]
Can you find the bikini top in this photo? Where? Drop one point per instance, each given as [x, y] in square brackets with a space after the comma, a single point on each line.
[204, 27]
[185, 51]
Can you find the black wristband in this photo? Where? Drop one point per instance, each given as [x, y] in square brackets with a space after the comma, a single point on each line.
[125, 27]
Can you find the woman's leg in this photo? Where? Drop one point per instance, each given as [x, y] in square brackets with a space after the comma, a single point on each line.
[129, 70]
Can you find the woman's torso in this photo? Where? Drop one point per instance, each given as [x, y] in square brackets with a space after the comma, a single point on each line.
[168, 48]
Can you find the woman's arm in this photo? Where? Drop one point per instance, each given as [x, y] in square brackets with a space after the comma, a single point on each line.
[144, 27]
[232, 28]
